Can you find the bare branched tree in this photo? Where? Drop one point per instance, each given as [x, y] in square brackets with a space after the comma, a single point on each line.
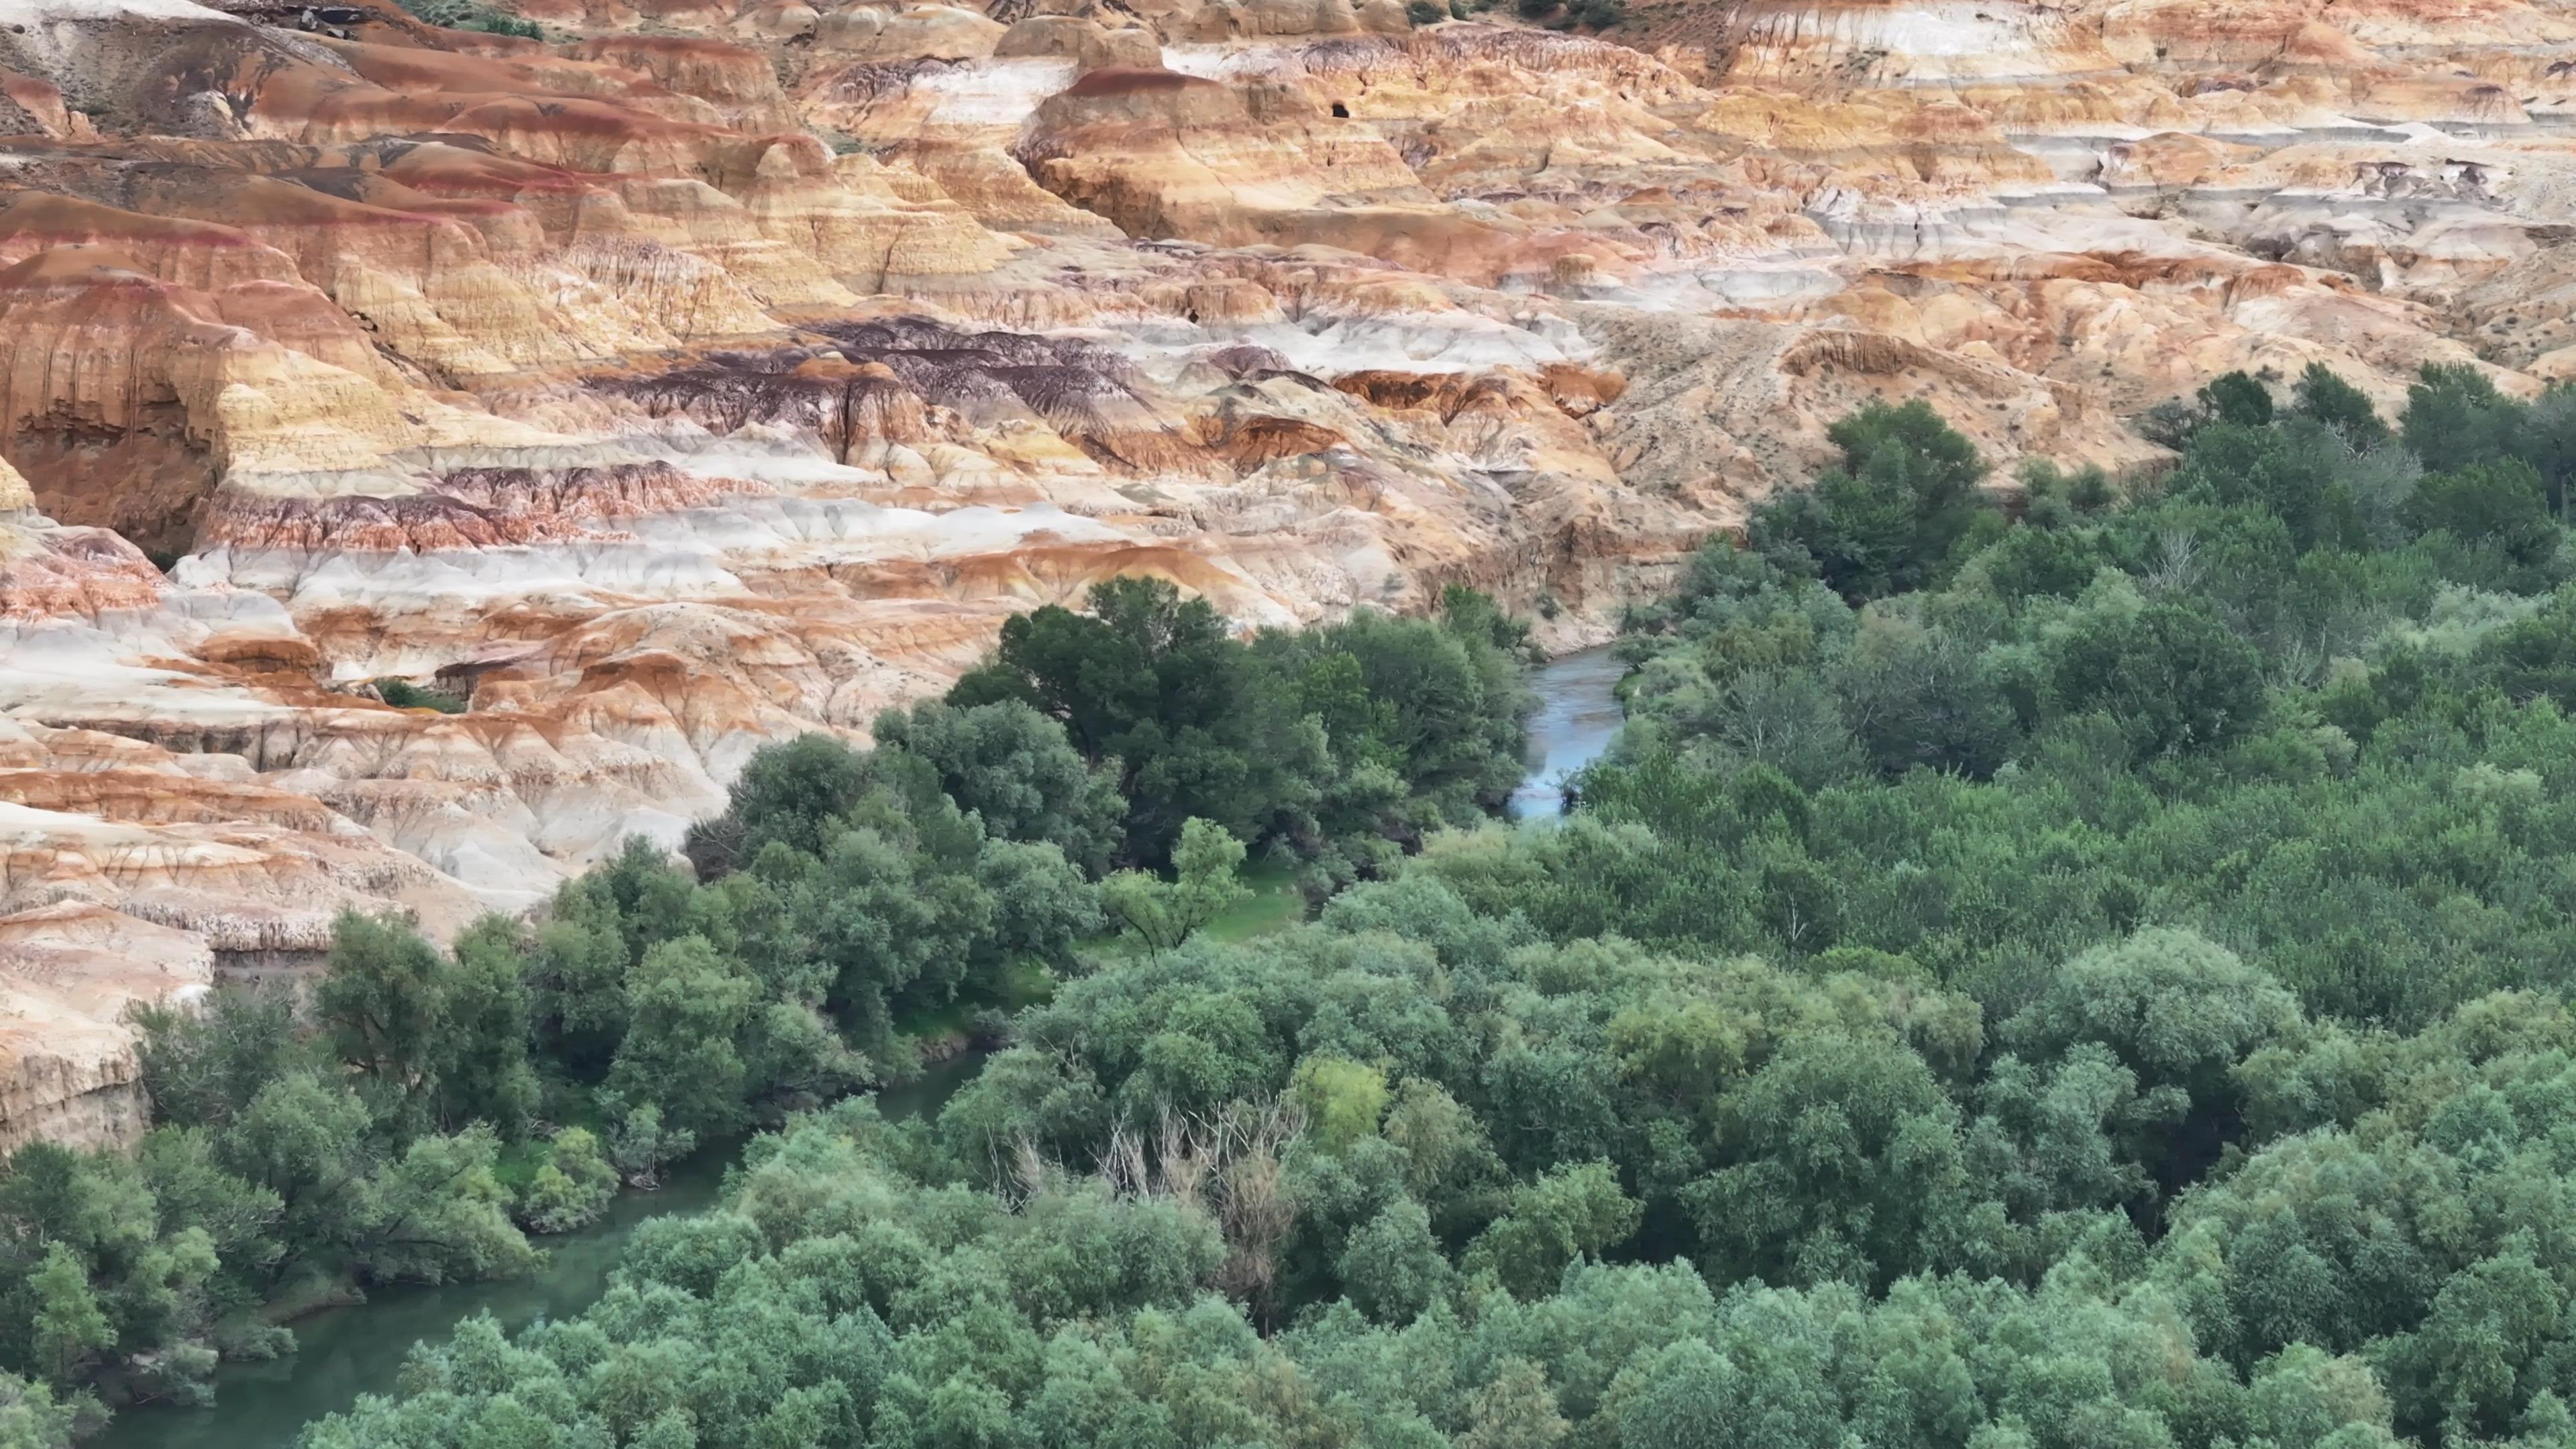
[1230, 1165]
[2177, 565]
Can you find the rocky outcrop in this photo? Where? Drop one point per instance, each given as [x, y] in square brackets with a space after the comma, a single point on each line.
[69, 972]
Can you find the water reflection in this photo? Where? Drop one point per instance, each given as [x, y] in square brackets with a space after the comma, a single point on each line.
[1577, 718]
[345, 1352]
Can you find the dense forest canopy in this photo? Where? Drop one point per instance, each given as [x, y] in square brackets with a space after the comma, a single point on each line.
[427, 1108]
[2079, 966]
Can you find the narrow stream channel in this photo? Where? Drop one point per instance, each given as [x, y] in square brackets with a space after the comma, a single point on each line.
[1577, 718]
[345, 1352]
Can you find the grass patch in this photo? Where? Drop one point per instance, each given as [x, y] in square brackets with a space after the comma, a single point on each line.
[1026, 983]
[1274, 905]
[517, 1164]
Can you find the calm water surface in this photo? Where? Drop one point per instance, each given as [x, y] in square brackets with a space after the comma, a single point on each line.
[345, 1352]
[1576, 720]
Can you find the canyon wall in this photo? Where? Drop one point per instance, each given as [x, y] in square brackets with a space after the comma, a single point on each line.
[708, 371]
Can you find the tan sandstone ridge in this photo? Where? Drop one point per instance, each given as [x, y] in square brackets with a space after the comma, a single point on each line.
[708, 371]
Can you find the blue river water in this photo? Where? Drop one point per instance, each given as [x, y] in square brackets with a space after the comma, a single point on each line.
[1577, 718]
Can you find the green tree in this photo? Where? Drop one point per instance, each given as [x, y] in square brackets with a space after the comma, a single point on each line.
[306, 1145]
[1393, 1268]
[31, 1419]
[2176, 1008]
[383, 1000]
[1155, 683]
[2176, 679]
[572, 1187]
[1516, 1411]
[1162, 914]
[69, 1326]
[1570, 1212]
[485, 1074]
[576, 979]
[642, 1143]
[2455, 418]
[201, 1065]
[193, 1188]
[2498, 505]
[1841, 1162]
[1015, 769]
[439, 1213]
[2327, 398]
[896, 921]
[794, 793]
[1041, 903]
[1886, 519]
[682, 1050]
[2237, 399]
[1922, 697]
[1340, 1099]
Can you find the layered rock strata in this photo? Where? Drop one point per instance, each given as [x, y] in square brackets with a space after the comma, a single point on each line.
[707, 371]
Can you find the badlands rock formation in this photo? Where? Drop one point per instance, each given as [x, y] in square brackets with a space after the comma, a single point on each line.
[707, 371]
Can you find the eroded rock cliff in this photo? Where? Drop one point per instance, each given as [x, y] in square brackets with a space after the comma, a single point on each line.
[708, 371]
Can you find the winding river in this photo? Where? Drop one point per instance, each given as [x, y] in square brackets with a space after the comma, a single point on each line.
[359, 1349]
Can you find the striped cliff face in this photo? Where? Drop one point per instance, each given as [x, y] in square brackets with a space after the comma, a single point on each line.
[694, 373]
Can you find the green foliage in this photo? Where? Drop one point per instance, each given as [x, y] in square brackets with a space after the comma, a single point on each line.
[1886, 519]
[571, 1188]
[2095, 977]
[472, 15]
[31, 1419]
[1342, 743]
[2237, 399]
[1013, 767]
[269, 1168]
[686, 1010]
[642, 1143]
[484, 1074]
[201, 1066]
[2455, 418]
[2494, 505]
[68, 1324]
[2328, 399]
[795, 794]
[1516, 1411]
[382, 1002]
[1162, 914]
[403, 694]
[1841, 1162]
[1155, 683]
[1569, 1213]
[1342, 1100]
[2174, 678]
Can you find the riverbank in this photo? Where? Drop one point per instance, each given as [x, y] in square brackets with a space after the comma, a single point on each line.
[359, 1348]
